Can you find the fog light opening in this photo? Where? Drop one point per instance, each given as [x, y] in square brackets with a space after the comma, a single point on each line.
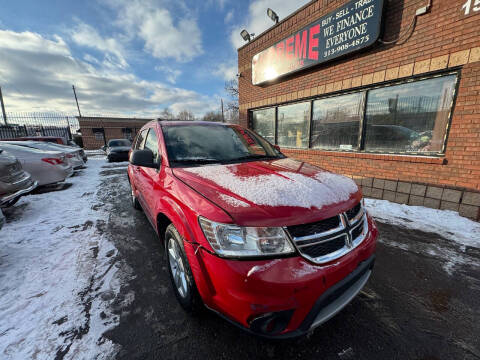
[271, 323]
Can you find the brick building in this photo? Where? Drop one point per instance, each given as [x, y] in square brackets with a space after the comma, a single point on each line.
[97, 131]
[401, 115]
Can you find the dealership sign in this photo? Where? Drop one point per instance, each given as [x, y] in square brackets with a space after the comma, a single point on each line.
[350, 28]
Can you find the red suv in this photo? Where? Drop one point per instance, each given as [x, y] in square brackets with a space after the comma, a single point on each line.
[272, 244]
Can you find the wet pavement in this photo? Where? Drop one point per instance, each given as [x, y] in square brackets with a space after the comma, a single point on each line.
[422, 301]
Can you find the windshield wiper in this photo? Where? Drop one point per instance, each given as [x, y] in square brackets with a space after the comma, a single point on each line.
[252, 156]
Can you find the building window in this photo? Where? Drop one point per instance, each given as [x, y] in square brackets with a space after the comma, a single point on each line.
[294, 125]
[263, 122]
[127, 133]
[411, 117]
[336, 122]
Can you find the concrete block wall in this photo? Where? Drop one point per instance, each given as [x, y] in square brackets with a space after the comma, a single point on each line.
[464, 201]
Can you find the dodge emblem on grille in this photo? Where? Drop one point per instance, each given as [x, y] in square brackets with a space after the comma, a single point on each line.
[348, 230]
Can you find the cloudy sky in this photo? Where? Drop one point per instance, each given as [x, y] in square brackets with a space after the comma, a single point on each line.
[131, 57]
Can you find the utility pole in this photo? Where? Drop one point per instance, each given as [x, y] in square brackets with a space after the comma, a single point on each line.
[223, 117]
[76, 100]
[3, 107]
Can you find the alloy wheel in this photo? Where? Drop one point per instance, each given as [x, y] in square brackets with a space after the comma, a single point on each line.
[177, 267]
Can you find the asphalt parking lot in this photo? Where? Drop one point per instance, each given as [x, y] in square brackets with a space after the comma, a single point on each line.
[102, 290]
[417, 305]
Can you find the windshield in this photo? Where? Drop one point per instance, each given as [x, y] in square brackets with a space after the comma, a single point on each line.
[189, 145]
[113, 143]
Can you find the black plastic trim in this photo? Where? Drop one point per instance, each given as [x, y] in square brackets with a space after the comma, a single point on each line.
[333, 292]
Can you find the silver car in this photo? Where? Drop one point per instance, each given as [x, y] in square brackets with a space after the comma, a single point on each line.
[46, 167]
[72, 154]
[14, 181]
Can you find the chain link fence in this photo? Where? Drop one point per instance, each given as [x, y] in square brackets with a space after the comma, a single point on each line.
[90, 132]
[38, 124]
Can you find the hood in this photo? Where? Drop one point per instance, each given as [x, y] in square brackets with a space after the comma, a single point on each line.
[119, 148]
[273, 193]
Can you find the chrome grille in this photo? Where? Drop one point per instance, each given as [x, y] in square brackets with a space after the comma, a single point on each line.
[325, 248]
[314, 228]
[353, 212]
[329, 239]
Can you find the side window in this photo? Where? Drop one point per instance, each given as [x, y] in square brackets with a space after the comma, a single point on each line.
[151, 143]
[139, 141]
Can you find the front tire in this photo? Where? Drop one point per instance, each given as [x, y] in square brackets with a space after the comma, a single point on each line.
[135, 203]
[181, 277]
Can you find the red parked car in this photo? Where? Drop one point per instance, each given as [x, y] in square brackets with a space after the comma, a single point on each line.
[52, 139]
[272, 244]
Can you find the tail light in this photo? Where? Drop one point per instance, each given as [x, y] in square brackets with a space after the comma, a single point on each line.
[70, 156]
[53, 161]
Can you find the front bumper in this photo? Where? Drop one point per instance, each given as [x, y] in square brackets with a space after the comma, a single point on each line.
[303, 295]
[6, 199]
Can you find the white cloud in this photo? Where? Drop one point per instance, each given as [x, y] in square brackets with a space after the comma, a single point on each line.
[226, 71]
[164, 35]
[219, 3]
[38, 73]
[87, 36]
[229, 16]
[257, 20]
[170, 74]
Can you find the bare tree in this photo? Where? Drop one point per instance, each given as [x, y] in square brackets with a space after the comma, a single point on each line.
[185, 115]
[212, 116]
[231, 87]
[231, 116]
[166, 114]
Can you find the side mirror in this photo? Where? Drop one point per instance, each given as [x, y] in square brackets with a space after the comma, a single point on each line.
[276, 147]
[143, 158]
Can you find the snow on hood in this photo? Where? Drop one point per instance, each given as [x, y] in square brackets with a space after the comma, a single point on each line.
[278, 184]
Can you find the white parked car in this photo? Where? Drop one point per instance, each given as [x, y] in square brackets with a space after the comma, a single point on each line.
[72, 154]
[45, 167]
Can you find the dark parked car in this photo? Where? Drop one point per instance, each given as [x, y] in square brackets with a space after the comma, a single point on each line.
[117, 149]
[14, 182]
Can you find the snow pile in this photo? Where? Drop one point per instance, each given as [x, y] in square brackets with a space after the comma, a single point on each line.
[447, 224]
[95, 152]
[58, 274]
[284, 188]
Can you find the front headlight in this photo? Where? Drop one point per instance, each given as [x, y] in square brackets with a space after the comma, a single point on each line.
[237, 241]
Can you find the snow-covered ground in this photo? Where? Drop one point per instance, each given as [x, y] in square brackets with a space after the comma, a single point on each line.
[447, 224]
[460, 233]
[58, 274]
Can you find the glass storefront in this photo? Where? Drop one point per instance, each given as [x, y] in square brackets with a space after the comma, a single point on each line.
[409, 117]
[294, 125]
[336, 122]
